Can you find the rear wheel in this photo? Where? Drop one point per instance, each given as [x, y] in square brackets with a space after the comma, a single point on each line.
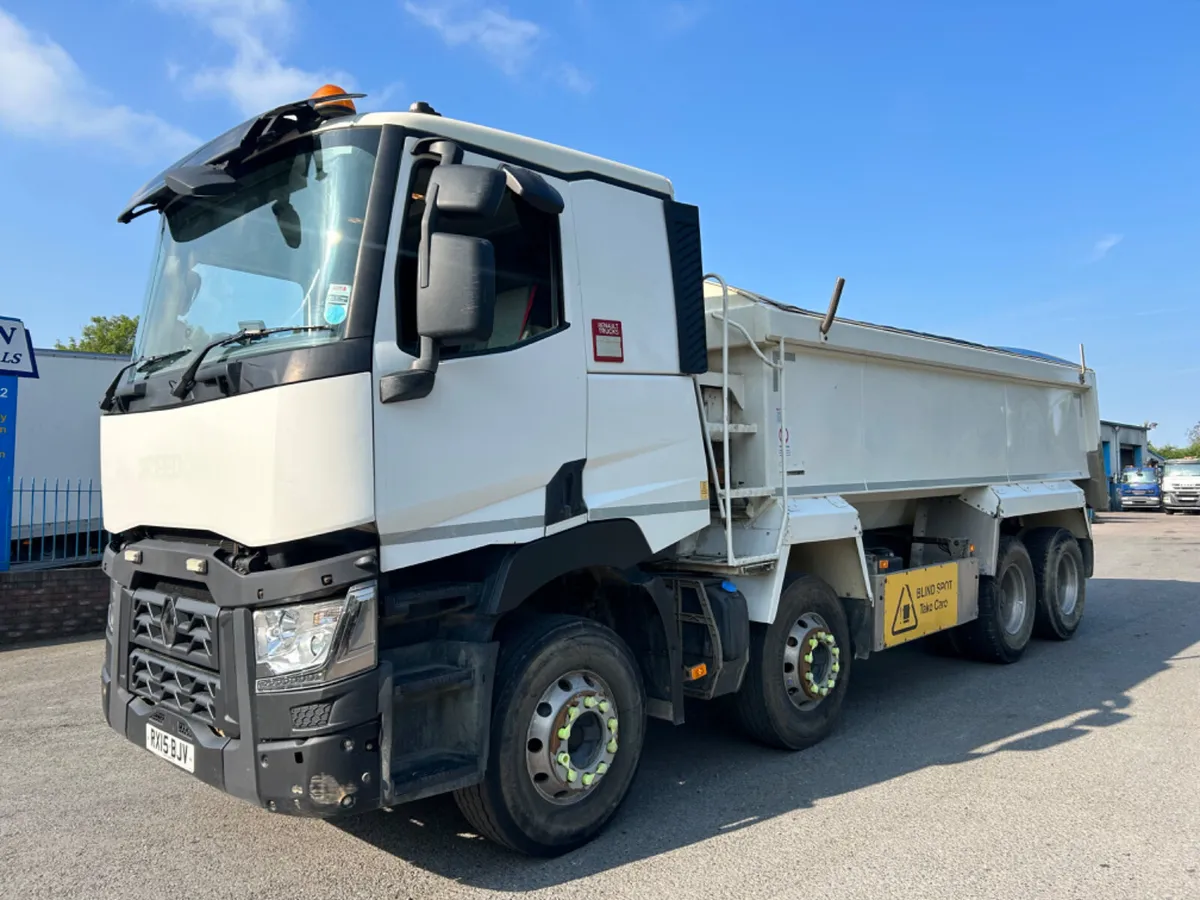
[799, 669]
[1007, 604]
[1061, 587]
[568, 724]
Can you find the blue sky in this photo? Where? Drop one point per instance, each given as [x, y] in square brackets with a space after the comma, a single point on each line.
[1019, 173]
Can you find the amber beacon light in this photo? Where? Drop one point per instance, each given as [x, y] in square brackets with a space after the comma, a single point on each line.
[332, 90]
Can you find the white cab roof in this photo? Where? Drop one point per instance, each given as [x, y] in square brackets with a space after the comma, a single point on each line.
[538, 153]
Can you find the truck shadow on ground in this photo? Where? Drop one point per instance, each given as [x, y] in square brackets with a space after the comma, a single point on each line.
[907, 710]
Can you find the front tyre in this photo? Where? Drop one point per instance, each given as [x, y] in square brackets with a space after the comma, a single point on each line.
[799, 669]
[568, 725]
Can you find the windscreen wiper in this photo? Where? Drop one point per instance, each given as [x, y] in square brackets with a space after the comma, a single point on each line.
[187, 380]
[138, 365]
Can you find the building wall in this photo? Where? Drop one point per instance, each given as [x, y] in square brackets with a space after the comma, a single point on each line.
[58, 415]
[1123, 445]
[52, 603]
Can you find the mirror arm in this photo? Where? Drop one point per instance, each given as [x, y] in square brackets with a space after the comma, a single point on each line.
[416, 381]
[427, 227]
[446, 152]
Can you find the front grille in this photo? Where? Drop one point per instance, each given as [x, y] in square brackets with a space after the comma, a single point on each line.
[181, 627]
[174, 686]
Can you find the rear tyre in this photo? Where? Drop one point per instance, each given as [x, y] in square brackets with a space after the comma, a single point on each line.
[799, 669]
[1169, 512]
[568, 723]
[1007, 607]
[1058, 572]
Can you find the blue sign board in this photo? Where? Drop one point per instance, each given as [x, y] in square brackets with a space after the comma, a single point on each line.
[16, 362]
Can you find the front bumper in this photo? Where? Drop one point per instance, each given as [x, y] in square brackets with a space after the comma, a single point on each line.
[317, 771]
[1141, 502]
[414, 726]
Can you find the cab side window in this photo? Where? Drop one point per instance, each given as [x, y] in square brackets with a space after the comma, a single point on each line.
[528, 271]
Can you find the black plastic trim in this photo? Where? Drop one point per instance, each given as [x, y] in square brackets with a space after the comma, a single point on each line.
[564, 493]
[353, 701]
[583, 175]
[338, 773]
[217, 380]
[687, 271]
[368, 274]
[616, 543]
[230, 589]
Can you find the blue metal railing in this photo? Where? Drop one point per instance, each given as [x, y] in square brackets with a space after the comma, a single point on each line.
[56, 523]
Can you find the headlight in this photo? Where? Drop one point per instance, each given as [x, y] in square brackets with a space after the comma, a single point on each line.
[313, 644]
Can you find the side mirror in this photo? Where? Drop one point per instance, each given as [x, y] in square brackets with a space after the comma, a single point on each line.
[458, 299]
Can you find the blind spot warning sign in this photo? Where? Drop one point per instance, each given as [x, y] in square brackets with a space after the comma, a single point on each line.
[917, 602]
[906, 613]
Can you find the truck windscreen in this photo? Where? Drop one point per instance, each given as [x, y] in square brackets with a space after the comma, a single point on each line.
[278, 250]
[1186, 470]
[1139, 477]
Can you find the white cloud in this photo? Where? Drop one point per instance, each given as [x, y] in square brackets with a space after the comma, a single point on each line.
[256, 79]
[46, 95]
[574, 80]
[507, 42]
[1106, 243]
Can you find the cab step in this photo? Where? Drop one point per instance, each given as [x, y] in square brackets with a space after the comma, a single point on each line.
[423, 775]
[431, 679]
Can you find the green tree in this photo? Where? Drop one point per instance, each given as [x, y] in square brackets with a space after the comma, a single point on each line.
[1191, 449]
[105, 334]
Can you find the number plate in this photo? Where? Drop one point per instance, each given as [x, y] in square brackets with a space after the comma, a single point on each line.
[171, 748]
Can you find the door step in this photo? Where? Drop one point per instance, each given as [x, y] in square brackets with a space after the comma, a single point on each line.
[431, 679]
[422, 775]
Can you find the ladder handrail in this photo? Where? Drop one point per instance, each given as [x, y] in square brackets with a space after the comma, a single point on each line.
[723, 490]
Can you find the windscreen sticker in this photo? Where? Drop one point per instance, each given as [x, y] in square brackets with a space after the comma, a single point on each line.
[337, 298]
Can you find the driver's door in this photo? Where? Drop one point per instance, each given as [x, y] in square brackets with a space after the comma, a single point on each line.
[484, 458]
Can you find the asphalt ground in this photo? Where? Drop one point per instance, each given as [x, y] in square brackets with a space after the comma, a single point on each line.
[1073, 774]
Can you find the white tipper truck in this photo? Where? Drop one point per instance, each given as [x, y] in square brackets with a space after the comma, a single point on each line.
[442, 465]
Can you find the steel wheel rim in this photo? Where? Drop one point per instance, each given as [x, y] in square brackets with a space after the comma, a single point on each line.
[572, 738]
[1067, 581]
[1014, 599]
[811, 662]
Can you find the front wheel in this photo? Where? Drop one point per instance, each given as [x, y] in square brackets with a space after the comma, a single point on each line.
[568, 724]
[799, 669]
